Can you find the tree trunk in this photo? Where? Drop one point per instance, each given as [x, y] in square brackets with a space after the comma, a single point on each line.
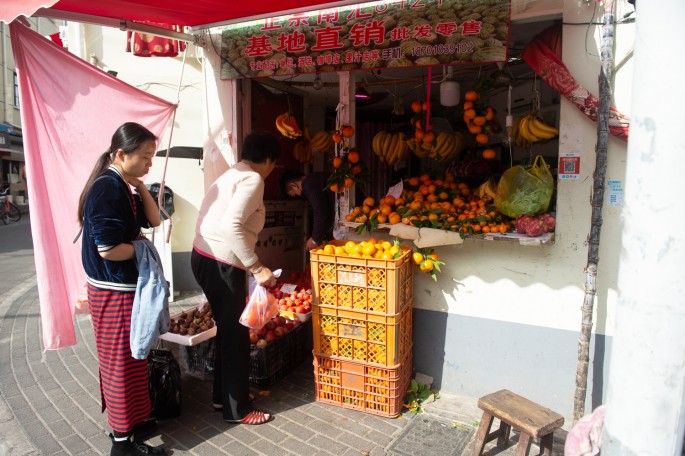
[597, 202]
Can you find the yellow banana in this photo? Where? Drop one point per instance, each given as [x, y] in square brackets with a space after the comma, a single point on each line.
[391, 148]
[443, 144]
[284, 123]
[398, 150]
[442, 138]
[291, 123]
[525, 131]
[402, 147]
[411, 144]
[281, 127]
[322, 141]
[377, 142]
[541, 129]
[386, 144]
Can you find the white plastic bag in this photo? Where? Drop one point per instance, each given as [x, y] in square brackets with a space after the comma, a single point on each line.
[261, 307]
[252, 282]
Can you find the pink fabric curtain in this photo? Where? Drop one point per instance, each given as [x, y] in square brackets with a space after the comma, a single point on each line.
[70, 110]
[11, 9]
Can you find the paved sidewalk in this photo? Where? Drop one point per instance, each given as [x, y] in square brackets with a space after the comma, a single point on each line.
[50, 402]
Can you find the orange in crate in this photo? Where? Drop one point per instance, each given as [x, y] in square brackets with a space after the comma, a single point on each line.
[358, 386]
[373, 285]
[362, 336]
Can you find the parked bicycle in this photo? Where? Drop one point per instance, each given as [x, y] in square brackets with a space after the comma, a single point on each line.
[8, 211]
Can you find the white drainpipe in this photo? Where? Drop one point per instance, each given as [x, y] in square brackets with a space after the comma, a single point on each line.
[4, 77]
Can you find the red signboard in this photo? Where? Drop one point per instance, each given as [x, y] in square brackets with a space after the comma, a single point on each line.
[368, 36]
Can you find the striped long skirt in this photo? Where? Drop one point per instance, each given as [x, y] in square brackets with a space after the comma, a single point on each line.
[123, 379]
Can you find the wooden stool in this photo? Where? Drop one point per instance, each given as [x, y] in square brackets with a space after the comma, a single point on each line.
[532, 420]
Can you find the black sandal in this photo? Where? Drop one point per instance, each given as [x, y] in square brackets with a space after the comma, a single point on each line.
[255, 417]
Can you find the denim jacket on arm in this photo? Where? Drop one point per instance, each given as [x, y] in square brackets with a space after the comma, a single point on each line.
[150, 314]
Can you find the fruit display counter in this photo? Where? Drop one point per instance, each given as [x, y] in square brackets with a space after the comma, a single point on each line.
[191, 327]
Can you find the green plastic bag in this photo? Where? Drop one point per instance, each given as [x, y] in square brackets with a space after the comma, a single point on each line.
[525, 191]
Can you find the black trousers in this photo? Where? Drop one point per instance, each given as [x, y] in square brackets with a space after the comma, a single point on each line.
[226, 290]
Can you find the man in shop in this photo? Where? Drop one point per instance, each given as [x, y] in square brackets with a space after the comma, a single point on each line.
[313, 188]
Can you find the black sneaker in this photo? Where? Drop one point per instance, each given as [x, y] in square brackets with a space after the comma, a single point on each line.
[128, 448]
[142, 431]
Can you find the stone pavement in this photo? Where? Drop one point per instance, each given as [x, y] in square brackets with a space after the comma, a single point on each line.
[50, 402]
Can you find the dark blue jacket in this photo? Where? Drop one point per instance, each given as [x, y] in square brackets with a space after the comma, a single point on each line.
[109, 219]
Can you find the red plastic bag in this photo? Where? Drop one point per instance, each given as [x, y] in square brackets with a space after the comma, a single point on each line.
[261, 307]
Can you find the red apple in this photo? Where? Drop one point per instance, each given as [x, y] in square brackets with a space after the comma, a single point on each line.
[270, 336]
[253, 338]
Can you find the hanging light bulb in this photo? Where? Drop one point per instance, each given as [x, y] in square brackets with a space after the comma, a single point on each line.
[449, 90]
[318, 83]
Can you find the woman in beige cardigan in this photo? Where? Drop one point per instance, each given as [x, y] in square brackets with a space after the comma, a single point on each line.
[230, 219]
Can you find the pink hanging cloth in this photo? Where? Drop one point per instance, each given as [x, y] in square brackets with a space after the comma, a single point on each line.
[543, 55]
[70, 109]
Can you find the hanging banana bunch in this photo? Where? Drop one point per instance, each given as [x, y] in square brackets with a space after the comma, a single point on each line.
[526, 130]
[447, 146]
[390, 147]
[322, 141]
[287, 126]
[302, 151]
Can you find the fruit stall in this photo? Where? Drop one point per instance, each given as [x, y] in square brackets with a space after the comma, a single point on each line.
[480, 182]
[438, 173]
[426, 169]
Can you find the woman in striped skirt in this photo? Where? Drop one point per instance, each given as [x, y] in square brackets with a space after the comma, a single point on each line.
[111, 216]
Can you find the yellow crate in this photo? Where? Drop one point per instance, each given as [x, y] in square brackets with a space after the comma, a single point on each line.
[359, 386]
[374, 285]
[362, 336]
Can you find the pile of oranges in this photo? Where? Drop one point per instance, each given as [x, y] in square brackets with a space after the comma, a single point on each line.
[384, 213]
[435, 203]
[369, 248]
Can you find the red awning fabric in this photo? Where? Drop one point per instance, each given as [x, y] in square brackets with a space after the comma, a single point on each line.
[193, 13]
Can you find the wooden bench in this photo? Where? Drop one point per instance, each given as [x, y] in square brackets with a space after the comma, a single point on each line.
[533, 421]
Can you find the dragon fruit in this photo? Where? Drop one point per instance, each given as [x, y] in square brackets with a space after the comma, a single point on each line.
[549, 222]
[534, 227]
[522, 223]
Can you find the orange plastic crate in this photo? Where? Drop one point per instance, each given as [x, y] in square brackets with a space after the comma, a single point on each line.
[378, 286]
[359, 386]
[362, 336]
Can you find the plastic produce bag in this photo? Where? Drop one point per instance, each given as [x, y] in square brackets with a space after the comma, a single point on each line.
[165, 384]
[261, 307]
[525, 191]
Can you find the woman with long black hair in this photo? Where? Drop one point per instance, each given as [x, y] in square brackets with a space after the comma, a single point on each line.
[111, 217]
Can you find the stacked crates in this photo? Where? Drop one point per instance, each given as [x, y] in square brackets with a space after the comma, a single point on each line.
[362, 330]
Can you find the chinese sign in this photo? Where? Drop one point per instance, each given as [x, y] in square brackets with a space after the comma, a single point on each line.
[569, 165]
[374, 35]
